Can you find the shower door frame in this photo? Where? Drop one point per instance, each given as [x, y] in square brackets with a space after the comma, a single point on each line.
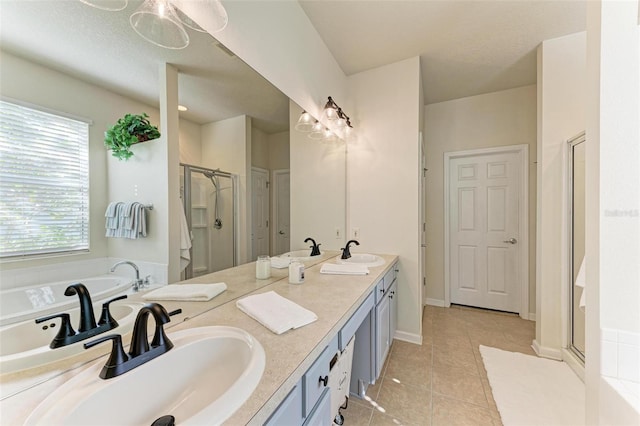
[571, 143]
[186, 203]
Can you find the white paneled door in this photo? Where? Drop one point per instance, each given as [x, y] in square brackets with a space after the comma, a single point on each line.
[259, 212]
[484, 199]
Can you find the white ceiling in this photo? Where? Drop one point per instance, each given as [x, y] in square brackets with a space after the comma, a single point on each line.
[466, 48]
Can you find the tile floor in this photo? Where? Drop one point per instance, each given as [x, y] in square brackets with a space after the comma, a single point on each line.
[443, 381]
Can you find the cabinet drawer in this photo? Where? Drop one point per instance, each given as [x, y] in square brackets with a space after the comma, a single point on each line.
[321, 415]
[354, 322]
[289, 412]
[313, 381]
[389, 277]
[379, 291]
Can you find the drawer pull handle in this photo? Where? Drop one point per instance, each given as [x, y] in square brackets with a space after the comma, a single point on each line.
[382, 290]
[324, 380]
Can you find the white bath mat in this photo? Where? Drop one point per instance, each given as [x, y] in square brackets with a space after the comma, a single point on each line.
[534, 391]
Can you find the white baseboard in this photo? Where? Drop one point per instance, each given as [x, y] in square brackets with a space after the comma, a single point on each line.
[546, 352]
[532, 316]
[408, 337]
[435, 302]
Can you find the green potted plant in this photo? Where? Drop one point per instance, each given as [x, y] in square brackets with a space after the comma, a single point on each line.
[129, 130]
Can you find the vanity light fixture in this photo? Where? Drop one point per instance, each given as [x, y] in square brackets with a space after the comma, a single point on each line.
[110, 5]
[161, 22]
[156, 21]
[317, 131]
[340, 122]
[305, 122]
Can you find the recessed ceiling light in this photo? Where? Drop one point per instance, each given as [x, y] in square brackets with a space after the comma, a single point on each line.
[182, 108]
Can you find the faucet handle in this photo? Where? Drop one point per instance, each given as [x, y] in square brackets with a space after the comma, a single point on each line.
[105, 317]
[159, 337]
[66, 329]
[116, 360]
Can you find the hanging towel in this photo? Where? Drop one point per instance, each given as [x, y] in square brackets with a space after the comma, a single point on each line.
[187, 292]
[280, 262]
[581, 280]
[334, 269]
[185, 241]
[126, 220]
[275, 312]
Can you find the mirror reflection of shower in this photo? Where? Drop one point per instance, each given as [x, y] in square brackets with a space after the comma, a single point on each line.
[209, 200]
[217, 223]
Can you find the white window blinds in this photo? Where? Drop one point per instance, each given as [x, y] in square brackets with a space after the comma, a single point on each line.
[44, 182]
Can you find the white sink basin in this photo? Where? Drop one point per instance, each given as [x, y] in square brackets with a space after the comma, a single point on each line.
[26, 344]
[363, 259]
[301, 255]
[204, 379]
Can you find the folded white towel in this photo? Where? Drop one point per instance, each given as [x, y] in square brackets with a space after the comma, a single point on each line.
[334, 269]
[185, 241]
[280, 262]
[275, 312]
[187, 292]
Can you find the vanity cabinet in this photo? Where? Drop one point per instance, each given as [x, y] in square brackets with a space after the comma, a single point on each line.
[386, 318]
[309, 403]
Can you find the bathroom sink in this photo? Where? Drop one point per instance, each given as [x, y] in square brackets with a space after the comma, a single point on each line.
[301, 255]
[26, 344]
[204, 379]
[362, 259]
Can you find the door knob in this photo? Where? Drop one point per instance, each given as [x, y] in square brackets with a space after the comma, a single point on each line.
[510, 241]
[281, 232]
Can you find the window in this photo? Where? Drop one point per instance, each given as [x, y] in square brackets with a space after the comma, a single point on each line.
[44, 182]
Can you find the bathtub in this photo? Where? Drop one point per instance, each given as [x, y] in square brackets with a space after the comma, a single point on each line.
[26, 303]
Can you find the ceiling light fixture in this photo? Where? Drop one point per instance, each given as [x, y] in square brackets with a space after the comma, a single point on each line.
[305, 122]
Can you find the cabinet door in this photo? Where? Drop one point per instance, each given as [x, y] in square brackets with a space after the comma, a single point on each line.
[393, 310]
[289, 413]
[321, 414]
[382, 333]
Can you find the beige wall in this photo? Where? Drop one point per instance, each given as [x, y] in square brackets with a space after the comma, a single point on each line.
[259, 149]
[561, 115]
[279, 150]
[383, 177]
[495, 119]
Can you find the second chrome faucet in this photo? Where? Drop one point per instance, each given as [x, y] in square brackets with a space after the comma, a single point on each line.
[139, 283]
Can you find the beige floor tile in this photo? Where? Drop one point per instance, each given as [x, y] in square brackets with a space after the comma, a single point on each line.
[357, 414]
[373, 390]
[449, 412]
[489, 394]
[451, 341]
[457, 384]
[408, 372]
[462, 358]
[412, 353]
[379, 419]
[410, 404]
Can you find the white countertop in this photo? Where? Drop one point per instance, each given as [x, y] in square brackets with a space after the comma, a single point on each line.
[333, 298]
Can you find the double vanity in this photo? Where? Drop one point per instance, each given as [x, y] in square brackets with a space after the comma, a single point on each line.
[224, 363]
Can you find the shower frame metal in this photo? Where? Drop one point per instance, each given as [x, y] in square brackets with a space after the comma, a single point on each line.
[186, 201]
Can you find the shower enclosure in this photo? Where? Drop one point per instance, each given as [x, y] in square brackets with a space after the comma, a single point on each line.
[576, 250]
[210, 203]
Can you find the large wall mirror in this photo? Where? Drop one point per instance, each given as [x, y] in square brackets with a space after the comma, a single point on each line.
[103, 70]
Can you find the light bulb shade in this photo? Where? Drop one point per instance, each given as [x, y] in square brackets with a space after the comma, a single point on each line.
[157, 22]
[305, 122]
[110, 5]
[317, 133]
[211, 14]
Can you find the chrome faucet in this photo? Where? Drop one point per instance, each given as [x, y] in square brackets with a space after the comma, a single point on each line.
[140, 351]
[138, 283]
[345, 251]
[87, 327]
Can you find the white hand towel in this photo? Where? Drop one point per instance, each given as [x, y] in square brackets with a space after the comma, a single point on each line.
[275, 312]
[280, 262]
[334, 269]
[187, 292]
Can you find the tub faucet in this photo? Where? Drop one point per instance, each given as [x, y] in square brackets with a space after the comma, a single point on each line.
[138, 283]
[315, 248]
[345, 251]
[139, 351]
